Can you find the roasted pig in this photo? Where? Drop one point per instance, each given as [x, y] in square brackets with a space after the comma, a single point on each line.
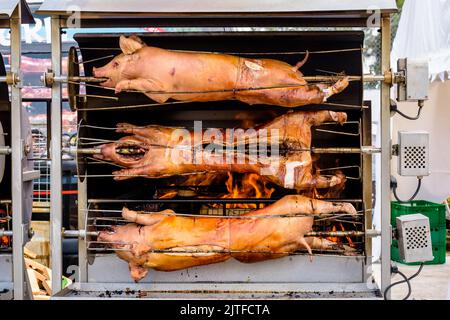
[158, 152]
[165, 241]
[195, 76]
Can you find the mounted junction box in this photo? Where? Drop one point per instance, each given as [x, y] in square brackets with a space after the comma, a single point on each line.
[415, 86]
[413, 153]
[414, 239]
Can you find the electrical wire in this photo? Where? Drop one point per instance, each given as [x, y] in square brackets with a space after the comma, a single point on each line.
[408, 117]
[405, 279]
[394, 189]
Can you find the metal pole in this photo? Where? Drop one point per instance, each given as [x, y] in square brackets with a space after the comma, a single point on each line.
[366, 140]
[17, 152]
[385, 156]
[82, 246]
[55, 155]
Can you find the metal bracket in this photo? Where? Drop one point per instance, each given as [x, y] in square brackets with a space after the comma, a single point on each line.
[48, 78]
[395, 150]
[31, 175]
[5, 150]
[11, 79]
[27, 233]
[373, 233]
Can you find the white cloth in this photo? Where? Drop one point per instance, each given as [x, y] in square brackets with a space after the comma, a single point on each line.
[424, 32]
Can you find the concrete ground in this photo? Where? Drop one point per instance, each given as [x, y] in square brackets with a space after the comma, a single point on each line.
[433, 282]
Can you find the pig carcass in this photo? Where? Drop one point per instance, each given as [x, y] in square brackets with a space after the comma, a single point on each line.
[159, 152]
[194, 76]
[165, 241]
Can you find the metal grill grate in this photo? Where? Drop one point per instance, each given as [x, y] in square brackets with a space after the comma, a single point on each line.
[41, 186]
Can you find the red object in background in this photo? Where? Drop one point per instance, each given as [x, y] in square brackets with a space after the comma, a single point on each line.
[47, 193]
[154, 29]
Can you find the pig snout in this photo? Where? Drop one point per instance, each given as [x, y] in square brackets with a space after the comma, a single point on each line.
[98, 72]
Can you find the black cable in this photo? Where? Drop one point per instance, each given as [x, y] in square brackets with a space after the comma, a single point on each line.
[405, 279]
[394, 189]
[408, 117]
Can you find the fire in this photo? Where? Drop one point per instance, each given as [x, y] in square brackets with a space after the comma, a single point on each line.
[250, 186]
[338, 240]
[4, 241]
[334, 239]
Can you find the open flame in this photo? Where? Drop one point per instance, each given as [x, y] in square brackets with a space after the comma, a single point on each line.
[4, 241]
[250, 186]
[338, 240]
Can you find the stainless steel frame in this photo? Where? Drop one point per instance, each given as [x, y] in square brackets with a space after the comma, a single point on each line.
[93, 276]
[56, 165]
[13, 10]
[385, 121]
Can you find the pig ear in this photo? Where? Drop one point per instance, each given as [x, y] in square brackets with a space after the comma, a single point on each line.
[131, 44]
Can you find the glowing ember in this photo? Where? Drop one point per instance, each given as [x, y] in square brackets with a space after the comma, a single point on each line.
[4, 241]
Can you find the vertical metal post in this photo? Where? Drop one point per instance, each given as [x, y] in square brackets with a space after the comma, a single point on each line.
[366, 140]
[385, 122]
[17, 145]
[82, 248]
[55, 168]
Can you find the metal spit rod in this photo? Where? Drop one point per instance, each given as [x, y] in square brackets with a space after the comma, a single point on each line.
[363, 149]
[7, 233]
[5, 150]
[84, 233]
[64, 79]
[221, 200]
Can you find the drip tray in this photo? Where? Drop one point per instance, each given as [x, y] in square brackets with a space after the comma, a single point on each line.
[195, 291]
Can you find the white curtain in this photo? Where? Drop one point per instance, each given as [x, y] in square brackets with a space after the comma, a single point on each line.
[424, 32]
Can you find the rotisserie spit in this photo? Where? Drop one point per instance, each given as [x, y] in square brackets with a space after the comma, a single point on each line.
[196, 76]
[166, 241]
[158, 152]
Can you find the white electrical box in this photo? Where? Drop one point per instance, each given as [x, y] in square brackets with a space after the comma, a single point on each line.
[414, 238]
[413, 153]
[415, 87]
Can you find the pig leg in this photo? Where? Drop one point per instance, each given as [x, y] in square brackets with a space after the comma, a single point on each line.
[336, 88]
[144, 218]
[144, 85]
[320, 182]
[130, 173]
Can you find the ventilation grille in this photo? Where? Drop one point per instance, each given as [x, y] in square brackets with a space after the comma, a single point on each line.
[415, 157]
[416, 237]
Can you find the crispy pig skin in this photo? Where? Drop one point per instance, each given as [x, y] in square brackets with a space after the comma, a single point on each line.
[196, 241]
[187, 75]
[292, 169]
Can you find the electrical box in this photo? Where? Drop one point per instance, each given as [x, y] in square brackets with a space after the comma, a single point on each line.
[415, 86]
[414, 238]
[413, 153]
